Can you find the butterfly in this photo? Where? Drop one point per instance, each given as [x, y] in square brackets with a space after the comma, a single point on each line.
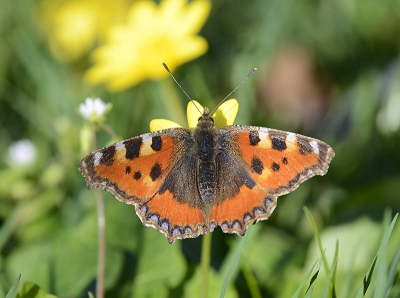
[185, 183]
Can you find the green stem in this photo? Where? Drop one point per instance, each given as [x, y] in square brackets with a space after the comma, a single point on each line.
[101, 222]
[205, 263]
[101, 259]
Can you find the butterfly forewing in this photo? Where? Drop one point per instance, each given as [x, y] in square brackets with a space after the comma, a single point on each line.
[134, 169]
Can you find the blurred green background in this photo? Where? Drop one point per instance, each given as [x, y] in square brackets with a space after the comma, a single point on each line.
[327, 69]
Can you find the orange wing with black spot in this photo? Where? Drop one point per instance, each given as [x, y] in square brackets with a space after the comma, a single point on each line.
[270, 163]
[135, 170]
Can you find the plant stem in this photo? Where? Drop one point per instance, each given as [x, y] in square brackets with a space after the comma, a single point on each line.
[101, 223]
[205, 263]
[101, 258]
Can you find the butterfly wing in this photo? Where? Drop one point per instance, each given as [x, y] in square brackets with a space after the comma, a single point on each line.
[258, 165]
[147, 171]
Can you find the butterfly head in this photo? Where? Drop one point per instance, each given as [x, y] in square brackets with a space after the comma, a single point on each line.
[206, 116]
[205, 121]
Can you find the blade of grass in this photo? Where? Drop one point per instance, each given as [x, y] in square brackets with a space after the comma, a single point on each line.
[317, 238]
[313, 279]
[367, 279]
[330, 287]
[381, 281]
[234, 262]
[13, 289]
[305, 279]
[394, 263]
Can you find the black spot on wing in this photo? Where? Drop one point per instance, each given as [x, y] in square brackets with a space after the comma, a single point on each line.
[275, 167]
[107, 156]
[128, 170]
[155, 172]
[133, 148]
[284, 160]
[278, 142]
[254, 138]
[257, 165]
[156, 143]
[137, 175]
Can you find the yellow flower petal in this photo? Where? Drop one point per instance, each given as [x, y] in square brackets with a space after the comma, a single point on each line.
[153, 33]
[159, 124]
[193, 112]
[73, 27]
[226, 113]
[223, 116]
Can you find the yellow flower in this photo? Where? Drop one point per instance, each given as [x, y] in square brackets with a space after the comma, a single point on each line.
[223, 116]
[73, 27]
[153, 33]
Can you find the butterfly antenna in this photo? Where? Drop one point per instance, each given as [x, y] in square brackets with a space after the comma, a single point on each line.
[230, 93]
[183, 90]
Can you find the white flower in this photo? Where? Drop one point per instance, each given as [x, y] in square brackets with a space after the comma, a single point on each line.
[22, 153]
[92, 107]
[94, 110]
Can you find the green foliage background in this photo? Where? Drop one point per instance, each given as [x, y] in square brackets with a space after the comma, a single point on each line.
[48, 218]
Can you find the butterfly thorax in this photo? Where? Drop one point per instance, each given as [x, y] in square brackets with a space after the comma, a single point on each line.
[205, 136]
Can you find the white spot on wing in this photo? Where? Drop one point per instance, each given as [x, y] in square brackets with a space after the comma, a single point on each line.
[97, 157]
[263, 133]
[119, 144]
[291, 137]
[315, 146]
[265, 142]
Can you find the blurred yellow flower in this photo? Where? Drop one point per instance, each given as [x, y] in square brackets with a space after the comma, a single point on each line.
[153, 33]
[224, 115]
[73, 27]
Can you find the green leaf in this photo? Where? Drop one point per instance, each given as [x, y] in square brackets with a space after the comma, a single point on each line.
[31, 290]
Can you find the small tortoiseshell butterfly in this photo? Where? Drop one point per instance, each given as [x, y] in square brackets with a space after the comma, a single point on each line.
[186, 182]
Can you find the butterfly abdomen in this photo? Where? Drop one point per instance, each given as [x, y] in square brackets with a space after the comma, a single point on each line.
[206, 147]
